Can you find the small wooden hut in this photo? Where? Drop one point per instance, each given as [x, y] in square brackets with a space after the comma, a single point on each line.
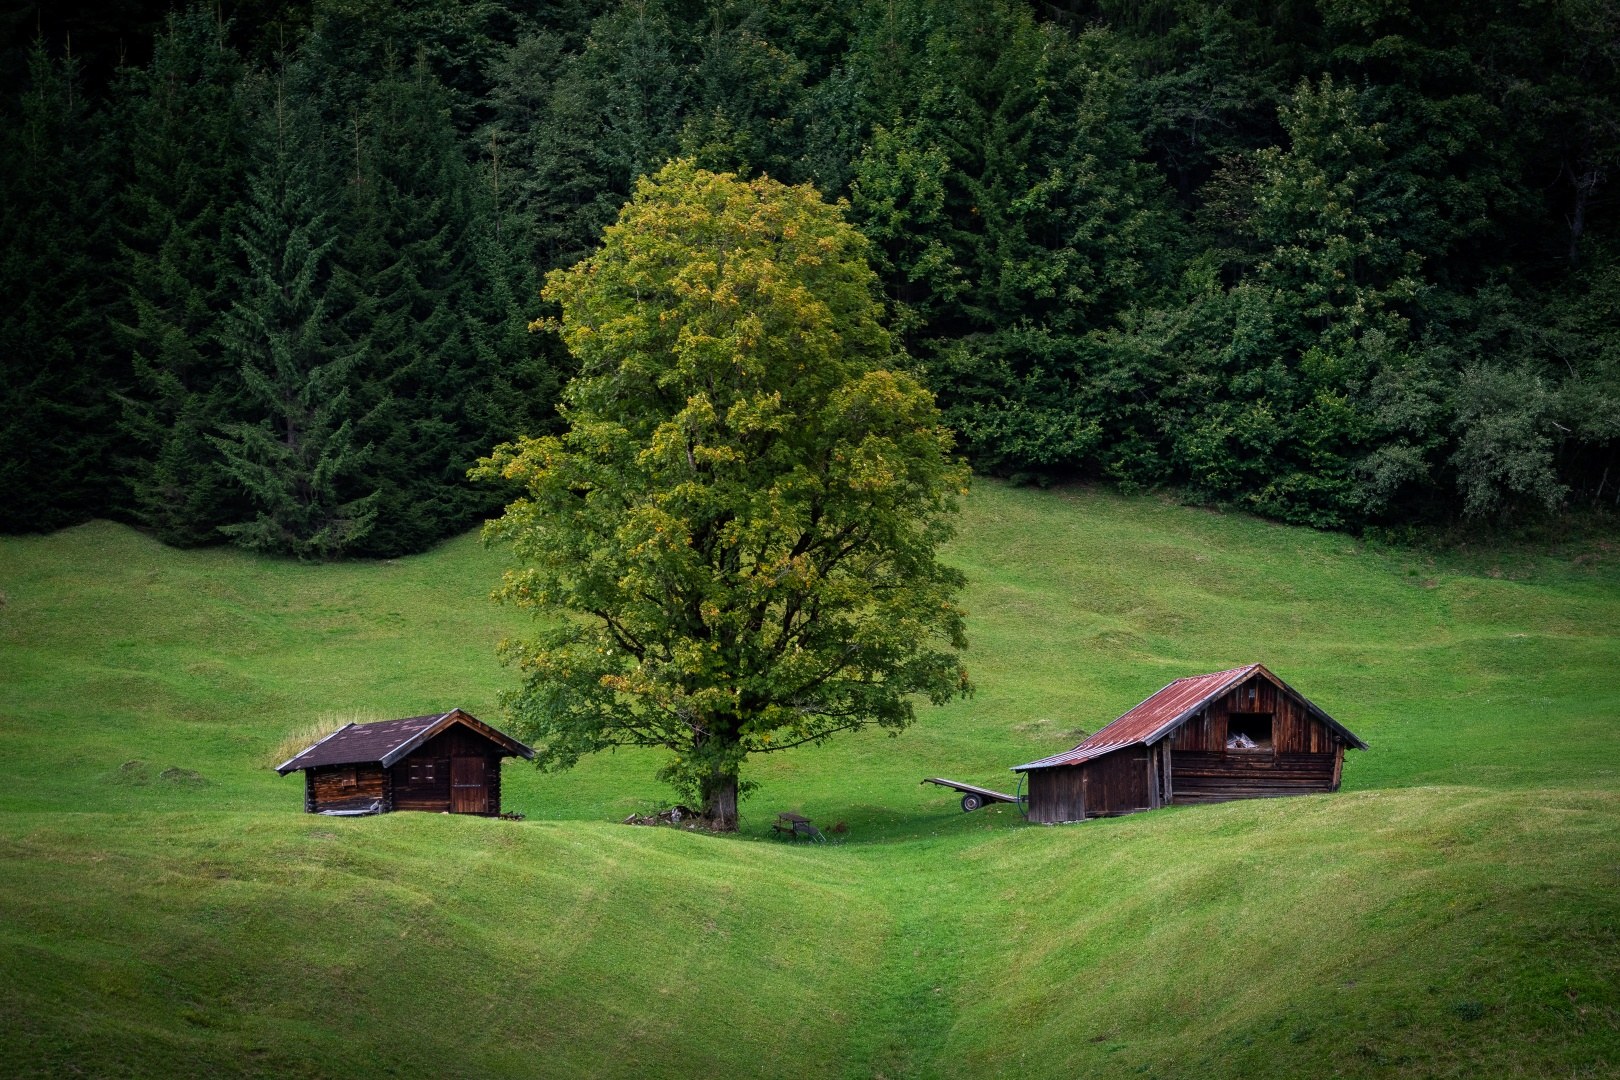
[445, 763]
[1238, 734]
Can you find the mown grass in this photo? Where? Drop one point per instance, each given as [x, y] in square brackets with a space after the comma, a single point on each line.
[165, 908]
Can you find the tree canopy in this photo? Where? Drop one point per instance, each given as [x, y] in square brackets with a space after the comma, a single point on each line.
[733, 547]
[1340, 263]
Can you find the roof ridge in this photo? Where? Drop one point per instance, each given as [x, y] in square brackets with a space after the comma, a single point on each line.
[1131, 722]
[386, 741]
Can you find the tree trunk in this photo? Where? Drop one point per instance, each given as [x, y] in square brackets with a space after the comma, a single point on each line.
[720, 800]
[1585, 184]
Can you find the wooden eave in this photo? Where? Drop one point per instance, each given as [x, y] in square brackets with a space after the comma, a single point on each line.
[448, 720]
[287, 766]
[384, 751]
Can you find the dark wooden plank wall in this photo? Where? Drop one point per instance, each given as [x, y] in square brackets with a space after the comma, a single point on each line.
[346, 787]
[1306, 755]
[422, 780]
[458, 742]
[1122, 782]
[1207, 776]
[1118, 783]
[1294, 730]
[1161, 775]
[1057, 795]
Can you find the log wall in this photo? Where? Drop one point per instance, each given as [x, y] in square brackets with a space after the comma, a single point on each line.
[346, 787]
[1304, 755]
[1207, 776]
[422, 782]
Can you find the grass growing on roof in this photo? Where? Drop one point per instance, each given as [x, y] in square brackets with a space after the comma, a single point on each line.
[1453, 912]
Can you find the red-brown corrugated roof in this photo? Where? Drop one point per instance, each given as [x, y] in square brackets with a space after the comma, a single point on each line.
[1162, 712]
[386, 741]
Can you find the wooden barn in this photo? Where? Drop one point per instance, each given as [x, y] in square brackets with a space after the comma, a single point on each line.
[445, 763]
[1239, 734]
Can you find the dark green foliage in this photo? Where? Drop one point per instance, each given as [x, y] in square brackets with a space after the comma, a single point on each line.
[748, 97]
[612, 116]
[356, 42]
[1012, 219]
[187, 135]
[1286, 360]
[294, 451]
[405, 281]
[57, 359]
[1343, 263]
[1208, 82]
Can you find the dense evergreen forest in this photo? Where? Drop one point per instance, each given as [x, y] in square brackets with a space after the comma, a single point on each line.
[268, 266]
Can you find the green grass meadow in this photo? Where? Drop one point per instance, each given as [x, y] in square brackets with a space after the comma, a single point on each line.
[166, 909]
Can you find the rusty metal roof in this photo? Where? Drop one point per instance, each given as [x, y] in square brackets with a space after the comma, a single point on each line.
[386, 741]
[1165, 711]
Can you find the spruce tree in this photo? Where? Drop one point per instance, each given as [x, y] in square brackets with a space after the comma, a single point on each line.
[1011, 218]
[748, 96]
[57, 362]
[614, 114]
[183, 125]
[407, 282]
[520, 374]
[293, 452]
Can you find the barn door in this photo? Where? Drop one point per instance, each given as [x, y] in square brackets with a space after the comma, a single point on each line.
[469, 785]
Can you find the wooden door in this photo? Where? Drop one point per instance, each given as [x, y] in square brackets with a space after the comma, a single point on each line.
[469, 785]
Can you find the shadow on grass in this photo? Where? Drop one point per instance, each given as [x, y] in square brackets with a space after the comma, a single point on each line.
[867, 824]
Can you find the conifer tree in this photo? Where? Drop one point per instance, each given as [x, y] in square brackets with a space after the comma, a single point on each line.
[614, 114]
[748, 91]
[520, 373]
[57, 361]
[293, 452]
[1011, 216]
[1308, 363]
[407, 283]
[183, 123]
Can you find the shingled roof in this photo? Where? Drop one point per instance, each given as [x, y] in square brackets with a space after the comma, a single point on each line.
[1162, 713]
[386, 741]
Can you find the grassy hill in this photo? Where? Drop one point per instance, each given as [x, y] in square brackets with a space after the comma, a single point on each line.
[165, 909]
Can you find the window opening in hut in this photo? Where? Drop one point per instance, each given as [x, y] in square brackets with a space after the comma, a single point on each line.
[1248, 731]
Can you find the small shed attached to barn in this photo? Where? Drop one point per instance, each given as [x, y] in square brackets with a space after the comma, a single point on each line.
[444, 763]
[1238, 734]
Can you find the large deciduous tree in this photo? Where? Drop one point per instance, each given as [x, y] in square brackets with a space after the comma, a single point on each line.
[733, 547]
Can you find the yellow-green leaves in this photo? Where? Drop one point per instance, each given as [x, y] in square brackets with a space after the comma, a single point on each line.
[732, 548]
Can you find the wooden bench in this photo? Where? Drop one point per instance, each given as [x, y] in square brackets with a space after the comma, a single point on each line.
[793, 826]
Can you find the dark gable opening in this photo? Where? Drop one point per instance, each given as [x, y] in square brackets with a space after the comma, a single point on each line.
[1249, 732]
